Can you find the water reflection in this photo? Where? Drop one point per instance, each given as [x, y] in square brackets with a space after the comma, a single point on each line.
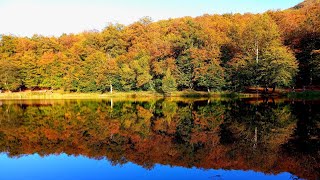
[64, 167]
[261, 135]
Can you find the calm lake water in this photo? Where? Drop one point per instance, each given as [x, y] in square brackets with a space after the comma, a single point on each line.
[159, 139]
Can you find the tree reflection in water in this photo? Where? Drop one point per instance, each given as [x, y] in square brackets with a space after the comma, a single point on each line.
[249, 134]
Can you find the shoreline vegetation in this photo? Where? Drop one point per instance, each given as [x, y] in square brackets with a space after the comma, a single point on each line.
[108, 95]
[308, 94]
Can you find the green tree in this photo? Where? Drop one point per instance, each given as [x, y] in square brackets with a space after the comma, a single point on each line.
[208, 73]
[277, 67]
[315, 64]
[113, 40]
[7, 46]
[30, 70]
[168, 83]
[141, 67]
[108, 76]
[9, 75]
[263, 59]
[127, 78]
[212, 77]
[90, 76]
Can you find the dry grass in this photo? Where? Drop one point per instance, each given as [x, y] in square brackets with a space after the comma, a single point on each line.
[147, 95]
[58, 95]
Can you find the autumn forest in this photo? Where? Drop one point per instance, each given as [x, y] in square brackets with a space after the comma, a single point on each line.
[206, 53]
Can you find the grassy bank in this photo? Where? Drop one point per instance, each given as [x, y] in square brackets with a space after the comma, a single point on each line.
[143, 94]
[65, 95]
[149, 94]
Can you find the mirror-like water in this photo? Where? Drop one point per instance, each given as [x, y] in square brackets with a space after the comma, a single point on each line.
[160, 139]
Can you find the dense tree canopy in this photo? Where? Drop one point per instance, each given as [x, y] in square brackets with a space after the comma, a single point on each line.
[210, 52]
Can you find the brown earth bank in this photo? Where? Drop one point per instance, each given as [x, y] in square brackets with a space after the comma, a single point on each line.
[267, 90]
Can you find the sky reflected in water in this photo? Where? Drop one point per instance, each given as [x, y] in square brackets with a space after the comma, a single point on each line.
[64, 167]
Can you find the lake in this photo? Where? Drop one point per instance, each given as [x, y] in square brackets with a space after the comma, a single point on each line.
[160, 139]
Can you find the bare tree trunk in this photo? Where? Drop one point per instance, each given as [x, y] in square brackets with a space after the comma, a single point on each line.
[110, 88]
[255, 137]
[257, 51]
[273, 88]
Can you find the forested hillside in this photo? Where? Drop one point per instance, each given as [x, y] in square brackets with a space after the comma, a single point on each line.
[210, 52]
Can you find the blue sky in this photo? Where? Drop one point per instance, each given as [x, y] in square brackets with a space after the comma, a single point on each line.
[54, 17]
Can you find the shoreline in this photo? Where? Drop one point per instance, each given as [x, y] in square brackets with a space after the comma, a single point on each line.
[149, 94]
[140, 94]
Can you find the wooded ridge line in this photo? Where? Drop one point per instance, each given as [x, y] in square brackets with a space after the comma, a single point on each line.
[208, 53]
